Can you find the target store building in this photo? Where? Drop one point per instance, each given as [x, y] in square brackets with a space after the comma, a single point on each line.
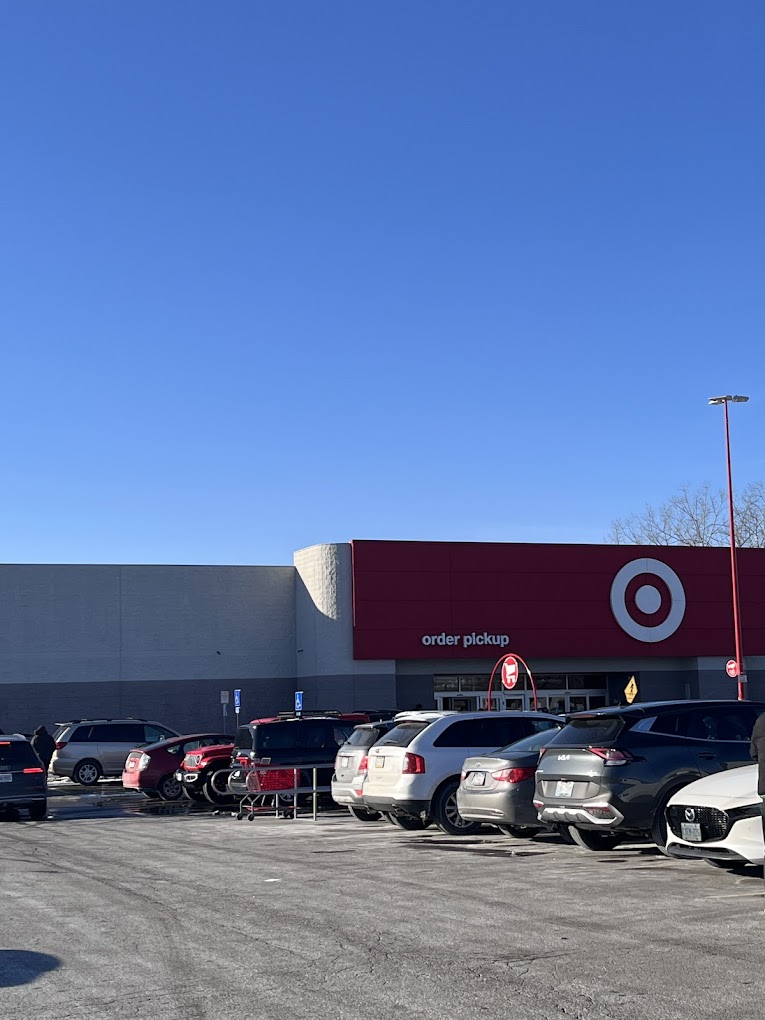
[584, 617]
[376, 625]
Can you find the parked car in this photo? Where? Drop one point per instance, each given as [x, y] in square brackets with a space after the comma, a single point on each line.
[351, 768]
[23, 783]
[609, 774]
[87, 749]
[499, 788]
[305, 741]
[203, 773]
[414, 769]
[718, 819]
[151, 769]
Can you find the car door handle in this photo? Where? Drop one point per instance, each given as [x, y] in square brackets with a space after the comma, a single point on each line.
[707, 755]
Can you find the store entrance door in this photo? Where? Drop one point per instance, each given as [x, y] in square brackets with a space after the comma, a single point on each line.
[564, 702]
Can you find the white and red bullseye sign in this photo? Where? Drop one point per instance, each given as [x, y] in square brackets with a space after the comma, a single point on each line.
[509, 674]
[648, 600]
[731, 668]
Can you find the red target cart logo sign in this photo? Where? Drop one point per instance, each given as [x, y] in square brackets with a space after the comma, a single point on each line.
[731, 668]
[648, 600]
[509, 674]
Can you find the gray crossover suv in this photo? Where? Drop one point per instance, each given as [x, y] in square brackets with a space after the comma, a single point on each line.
[609, 774]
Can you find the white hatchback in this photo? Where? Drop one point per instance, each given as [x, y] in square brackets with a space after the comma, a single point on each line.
[414, 769]
[718, 819]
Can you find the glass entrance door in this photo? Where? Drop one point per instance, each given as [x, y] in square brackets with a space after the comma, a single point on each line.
[564, 702]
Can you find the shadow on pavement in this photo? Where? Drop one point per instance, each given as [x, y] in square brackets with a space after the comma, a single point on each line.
[22, 967]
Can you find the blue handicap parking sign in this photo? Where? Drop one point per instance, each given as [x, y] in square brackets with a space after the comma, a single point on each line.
[298, 701]
[237, 699]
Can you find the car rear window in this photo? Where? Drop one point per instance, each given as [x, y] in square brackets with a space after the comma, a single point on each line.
[16, 753]
[403, 734]
[364, 736]
[588, 730]
[276, 737]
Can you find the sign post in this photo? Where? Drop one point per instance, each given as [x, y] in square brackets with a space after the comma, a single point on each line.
[224, 706]
[237, 704]
[298, 702]
[510, 659]
[630, 691]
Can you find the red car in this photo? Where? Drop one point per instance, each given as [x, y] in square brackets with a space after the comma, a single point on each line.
[152, 769]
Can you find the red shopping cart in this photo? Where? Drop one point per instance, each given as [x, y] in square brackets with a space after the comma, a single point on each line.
[268, 790]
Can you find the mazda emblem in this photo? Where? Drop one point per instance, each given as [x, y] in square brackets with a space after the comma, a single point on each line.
[690, 814]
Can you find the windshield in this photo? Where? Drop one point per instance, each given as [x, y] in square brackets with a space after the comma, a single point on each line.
[533, 743]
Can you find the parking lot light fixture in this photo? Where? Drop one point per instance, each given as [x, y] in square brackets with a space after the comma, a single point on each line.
[725, 400]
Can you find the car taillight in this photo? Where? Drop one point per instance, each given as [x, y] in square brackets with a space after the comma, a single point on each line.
[36, 770]
[514, 775]
[61, 744]
[413, 764]
[143, 762]
[463, 776]
[610, 755]
[364, 764]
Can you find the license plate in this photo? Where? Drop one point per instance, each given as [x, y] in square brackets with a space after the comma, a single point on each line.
[564, 788]
[345, 761]
[691, 831]
[479, 778]
[6, 777]
[379, 763]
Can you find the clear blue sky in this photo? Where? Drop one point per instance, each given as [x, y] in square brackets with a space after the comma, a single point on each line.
[276, 273]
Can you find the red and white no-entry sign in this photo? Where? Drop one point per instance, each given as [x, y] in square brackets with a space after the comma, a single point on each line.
[509, 673]
[731, 668]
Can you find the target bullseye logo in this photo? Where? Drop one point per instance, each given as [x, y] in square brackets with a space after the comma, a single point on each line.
[648, 600]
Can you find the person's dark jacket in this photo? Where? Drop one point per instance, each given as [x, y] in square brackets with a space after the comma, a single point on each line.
[43, 745]
[757, 751]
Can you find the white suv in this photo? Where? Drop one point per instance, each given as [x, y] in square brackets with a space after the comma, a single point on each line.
[414, 769]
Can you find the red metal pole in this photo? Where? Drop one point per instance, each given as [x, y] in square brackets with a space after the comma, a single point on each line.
[734, 566]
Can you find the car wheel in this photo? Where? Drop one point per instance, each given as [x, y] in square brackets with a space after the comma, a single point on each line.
[408, 822]
[565, 835]
[445, 813]
[588, 839]
[215, 787]
[38, 810]
[518, 831]
[193, 794]
[87, 772]
[169, 788]
[361, 815]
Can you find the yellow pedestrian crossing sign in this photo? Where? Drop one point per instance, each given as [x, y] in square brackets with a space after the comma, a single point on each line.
[630, 691]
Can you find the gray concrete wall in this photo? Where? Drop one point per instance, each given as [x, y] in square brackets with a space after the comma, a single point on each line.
[325, 665]
[160, 641]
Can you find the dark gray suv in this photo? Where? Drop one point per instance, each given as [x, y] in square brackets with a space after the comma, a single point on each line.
[609, 774]
[23, 782]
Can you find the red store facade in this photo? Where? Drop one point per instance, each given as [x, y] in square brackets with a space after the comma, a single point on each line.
[585, 617]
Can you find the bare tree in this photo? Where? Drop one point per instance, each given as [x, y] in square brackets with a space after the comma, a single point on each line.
[696, 517]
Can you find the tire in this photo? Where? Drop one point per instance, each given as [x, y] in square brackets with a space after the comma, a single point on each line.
[361, 815]
[565, 835]
[518, 831]
[215, 788]
[589, 839]
[168, 788]
[445, 813]
[38, 810]
[193, 794]
[87, 772]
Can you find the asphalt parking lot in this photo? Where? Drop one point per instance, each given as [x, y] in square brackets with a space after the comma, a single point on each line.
[112, 909]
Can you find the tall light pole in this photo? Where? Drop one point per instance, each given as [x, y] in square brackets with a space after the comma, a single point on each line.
[730, 399]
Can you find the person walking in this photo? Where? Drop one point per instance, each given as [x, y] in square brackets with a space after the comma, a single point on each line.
[43, 745]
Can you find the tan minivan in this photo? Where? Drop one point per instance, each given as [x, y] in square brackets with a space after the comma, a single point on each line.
[87, 749]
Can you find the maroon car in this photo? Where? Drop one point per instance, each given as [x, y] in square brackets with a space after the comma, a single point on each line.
[152, 769]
